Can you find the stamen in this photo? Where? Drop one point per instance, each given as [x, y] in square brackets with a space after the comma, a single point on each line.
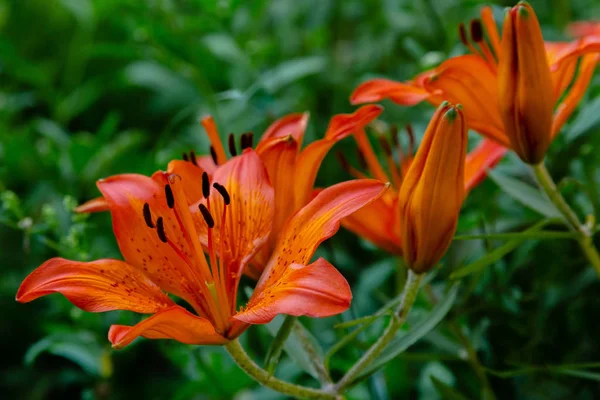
[247, 140]
[207, 217]
[361, 159]
[160, 229]
[223, 192]
[394, 134]
[213, 155]
[476, 30]
[148, 215]
[193, 157]
[462, 34]
[231, 143]
[169, 196]
[205, 185]
[343, 161]
[346, 166]
[185, 157]
[385, 145]
[411, 139]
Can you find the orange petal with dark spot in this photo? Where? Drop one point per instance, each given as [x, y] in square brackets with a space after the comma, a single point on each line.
[314, 290]
[96, 286]
[173, 323]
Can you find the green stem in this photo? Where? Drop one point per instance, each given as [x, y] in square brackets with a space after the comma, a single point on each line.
[274, 353]
[411, 288]
[261, 376]
[486, 389]
[585, 239]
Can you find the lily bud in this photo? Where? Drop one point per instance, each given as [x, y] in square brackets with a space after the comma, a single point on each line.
[433, 190]
[525, 85]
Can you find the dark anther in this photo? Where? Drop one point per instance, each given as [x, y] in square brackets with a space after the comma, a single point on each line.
[148, 216]
[462, 33]
[213, 154]
[343, 160]
[223, 192]
[207, 217]
[231, 143]
[476, 30]
[385, 145]
[205, 185]
[160, 229]
[185, 157]
[411, 139]
[394, 134]
[362, 159]
[193, 157]
[247, 140]
[169, 196]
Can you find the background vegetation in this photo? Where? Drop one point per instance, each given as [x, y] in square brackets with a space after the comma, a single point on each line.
[93, 88]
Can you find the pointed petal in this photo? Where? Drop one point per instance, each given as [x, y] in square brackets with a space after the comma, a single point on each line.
[173, 323]
[316, 222]
[485, 156]
[309, 162]
[376, 90]
[249, 217]
[92, 206]
[578, 89]
[191, 174]
[291, 124]
[575, 49]
[279, 156]
[139, 244]
[213, 134]
[96, 286]
[206, 163]
[314, 290]
[467, 80]
[375, 222]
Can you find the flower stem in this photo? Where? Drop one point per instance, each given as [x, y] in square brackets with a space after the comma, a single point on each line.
[585, 239]
[263, 377]
[409, 294]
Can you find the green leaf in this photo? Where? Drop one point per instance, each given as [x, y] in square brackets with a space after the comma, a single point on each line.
[445, 391]
[223, 47]
[293, 346]
[420, 329]
[525, 194]
[497, 253]
[545, 235]
[274, 352]
[81, 348]
[291, 71]
[587, 119]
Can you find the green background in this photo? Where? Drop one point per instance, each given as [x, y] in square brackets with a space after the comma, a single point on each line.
[93, 88]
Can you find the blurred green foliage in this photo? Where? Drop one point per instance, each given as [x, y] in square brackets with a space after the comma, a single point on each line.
[93, 88]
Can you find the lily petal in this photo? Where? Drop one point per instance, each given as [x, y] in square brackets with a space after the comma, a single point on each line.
[173, 323]
[98, 204]
[309, 162]
[249, 217]
[192, 175]
[314, 290]
[279, 156]
[96, 286]
[376, 223]
[572, 99]
[291, 124]
[376, 90]
[485, 156]
[316, 222]
[468, 80]
[139, 244]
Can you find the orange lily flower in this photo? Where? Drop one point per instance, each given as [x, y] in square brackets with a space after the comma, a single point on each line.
[430, 198]
[280, 149]
[584, 28]
[162, 236]
[473, 80]
[378, 222]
